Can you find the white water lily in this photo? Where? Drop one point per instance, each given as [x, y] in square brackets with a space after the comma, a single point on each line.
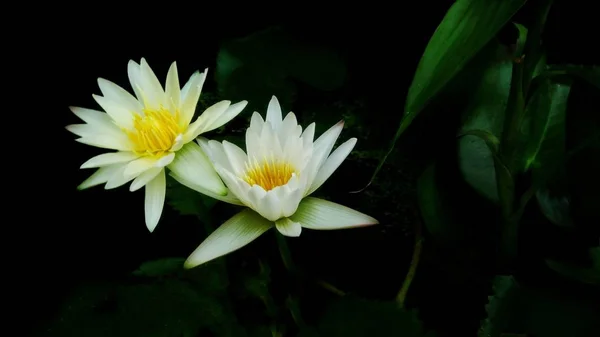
[151, 131]
[274, 178]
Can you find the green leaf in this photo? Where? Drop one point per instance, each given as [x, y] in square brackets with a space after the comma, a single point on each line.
[436, 212]
[586, 274]
[356, 317]
[555, 206]
[483, 121]
[257, 84]
[546, 150]
[187, 201]
[542, 311]
[543, 131]
[160, 267]
[591, 74]
[466, 28]
[194, 304]
[265, 63]
[167, 309]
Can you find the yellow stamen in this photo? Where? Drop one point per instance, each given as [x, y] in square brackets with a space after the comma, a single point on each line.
[154, 132]
[269, 173]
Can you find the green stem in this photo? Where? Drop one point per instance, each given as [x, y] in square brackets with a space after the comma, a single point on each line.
[509, 157]
[286, 257]
[412, 270]
[284, 251]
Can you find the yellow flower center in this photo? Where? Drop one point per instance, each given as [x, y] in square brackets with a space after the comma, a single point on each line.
[268, 174]
[154, 132]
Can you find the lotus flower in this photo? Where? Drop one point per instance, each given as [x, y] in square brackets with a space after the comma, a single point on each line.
[273, 179]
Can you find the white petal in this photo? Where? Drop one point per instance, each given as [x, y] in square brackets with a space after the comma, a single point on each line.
[144, 178]
[215, 152]
[232, 235]
[274, 113]
[308, 135]
[237, 186]
[192, 165]
[331, 164]
[84, 130]
[138, 166]
[106, 159]
[120, 114]
[236, 157]
[253, 144]
[93, 131]
[211, 122]
[98, 119]
[256, 123]
[270, 207]
[291, 201]
[321, 214]
[190, 94]
[165, 160]
[152, 90]
[172, 89]
[101, 176]
[269, 141]
[289, 128]
[106, 142]
[155, 200]
[177, 144]
[135, 78]
[119, 95]
[323, 145]
[118, 179]
[228, 198]
[196, 128]
[288, 227]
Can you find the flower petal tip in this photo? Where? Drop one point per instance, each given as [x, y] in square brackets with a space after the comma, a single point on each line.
[222, 192]
[188, 264]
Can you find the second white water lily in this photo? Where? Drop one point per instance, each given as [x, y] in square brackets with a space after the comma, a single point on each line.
[281, 167]
[151, 131]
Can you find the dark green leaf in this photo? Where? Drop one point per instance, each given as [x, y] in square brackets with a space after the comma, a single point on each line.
[167, 309]
[444, 57]
[555, 206]
[160, 267]
[262, 64]
[355, 317]
[467, 27]
[543, 131]
[258, 285]
[308, 332]
[436, 212]
[258, 84]
[543, 311]
[591, 74]
[521, 40]
[193, 304]
[586, 274]
[483, 121]
[532, 52]
[187, 201]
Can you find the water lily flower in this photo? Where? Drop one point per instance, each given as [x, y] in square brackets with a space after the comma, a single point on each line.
[281, 167]
[149, 132]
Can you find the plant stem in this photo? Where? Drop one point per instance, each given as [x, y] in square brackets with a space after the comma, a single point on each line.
[284, 251]
[286, 257]
[410, 275]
